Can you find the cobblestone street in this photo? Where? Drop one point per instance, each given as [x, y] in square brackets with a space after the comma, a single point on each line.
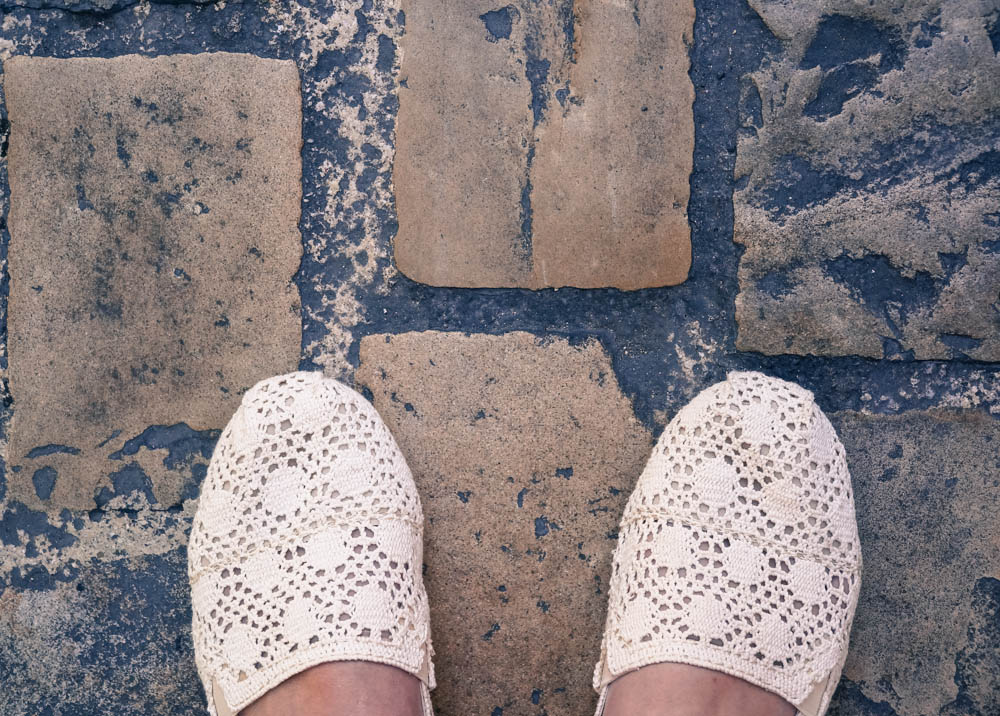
[529, 234]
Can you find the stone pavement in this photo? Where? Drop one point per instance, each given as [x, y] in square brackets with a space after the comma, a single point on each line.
[580, 116]
[221, 191]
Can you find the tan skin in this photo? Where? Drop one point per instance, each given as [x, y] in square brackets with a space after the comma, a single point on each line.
[682, 690]
[342, 688]
[358, 688]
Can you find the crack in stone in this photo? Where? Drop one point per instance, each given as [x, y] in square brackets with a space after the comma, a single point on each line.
[537, 70]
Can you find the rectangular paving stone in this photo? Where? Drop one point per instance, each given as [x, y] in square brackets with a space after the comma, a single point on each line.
[524, 451]
[113, 639]
[869, 162]
[545, 144]
[927, 491]
[153, 219]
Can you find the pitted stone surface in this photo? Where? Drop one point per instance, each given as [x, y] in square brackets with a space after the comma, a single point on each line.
[524, 452]
[113, 640]
[95, 6]
[927, 490]
[545, 144]
[153, 220]
[870, 161]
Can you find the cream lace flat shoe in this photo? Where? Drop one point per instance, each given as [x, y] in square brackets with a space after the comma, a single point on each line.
[738, 549]
[306, 546]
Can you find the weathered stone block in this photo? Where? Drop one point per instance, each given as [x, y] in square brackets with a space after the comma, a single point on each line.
[524, 451]
[113, 639]
[871, 160]
[545, 144]
[927, 489]
[153, 220]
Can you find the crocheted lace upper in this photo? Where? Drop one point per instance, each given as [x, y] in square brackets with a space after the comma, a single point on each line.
[307, 543]
[738, 549]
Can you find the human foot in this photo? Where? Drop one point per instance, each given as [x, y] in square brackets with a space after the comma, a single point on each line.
[342, 688]
[682, 690]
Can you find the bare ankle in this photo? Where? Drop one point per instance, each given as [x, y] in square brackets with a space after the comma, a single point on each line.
[343, 688]
[683, 690]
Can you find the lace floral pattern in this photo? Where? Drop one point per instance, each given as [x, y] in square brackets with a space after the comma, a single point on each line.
[738, 549]
[307, 543]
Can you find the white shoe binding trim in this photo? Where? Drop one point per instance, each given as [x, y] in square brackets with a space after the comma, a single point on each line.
[811, 705]
[219, 700]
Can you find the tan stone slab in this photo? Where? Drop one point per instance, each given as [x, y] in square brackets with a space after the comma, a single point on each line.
[545, 145]
[870, 181]
[524, 451]
[927, 490]
[153, 220]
